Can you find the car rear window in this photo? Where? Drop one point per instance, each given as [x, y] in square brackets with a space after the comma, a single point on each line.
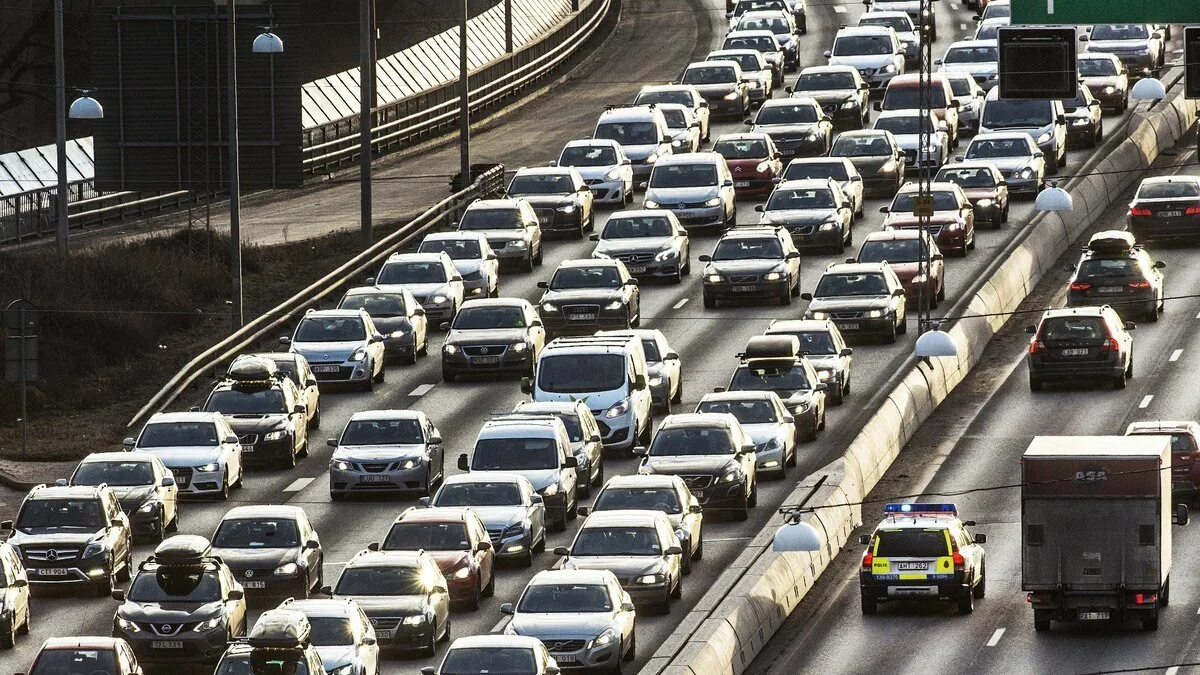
[1074, 328]
[1098, 268]
[912, 543]
[1168, 190]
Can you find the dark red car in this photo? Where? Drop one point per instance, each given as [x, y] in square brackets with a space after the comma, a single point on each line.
[457, 540]
[952, 222]
[899, 248]
[753, 161]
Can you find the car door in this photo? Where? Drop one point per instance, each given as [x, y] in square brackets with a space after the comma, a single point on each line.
[439, 595]
[368, 645]
[374, 347]
[299, 419]
[308, 386]
[232, 452]
[671, 363]
[786, 422]
[567, 474]
[235, 608]
[490, 265]
[536, 512]
[312, 555]
[167, 494]
[485, 558]
[692, 521]
[536, 331]
[435, 451]
[667, 539]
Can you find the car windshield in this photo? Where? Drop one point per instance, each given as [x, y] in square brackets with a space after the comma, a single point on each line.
[749, 63]
[900, 24]
[1096, 68]
[1168, 190]
[427, 536]
[683, 176]
[998, 147]
[636, 227]
[977, 54]
[412, 273]
[541, 184]
[74, 662]
[680, 96]
[457, 249]
[802, 170]
[257, 533]
[651, 348]
[909, 98]
[565, 599]
[968, 177]
[485, 318]
[629, 133]
[330, 329]
[1120, 31]
[638, 499]
[746, 412]
[1016, 114]
[911, 543]
[988, 31]
[741, 149]
[491, 219]
[851, 284]
[863, 45]
[1079, 101]
[907, 124]
[175, 585]
[389, 580]
[330, 631]
[676, 441]
[114, 473]
[1073, 328]
[587, 155]
[787, 198]
[741, 248]
[1098, 268]
[176, 434]
[616, 541]
[581, 373]
[787, 379]
[861, 146]
[601, 276]
[380, 305]
[247, 402]
[709, 75]
[382, 432]
[960, 86]
[997, 11]
[942, 201]
[824, 82]
[264, 663]
[488, 661]
[787, 113]
[893, 251]
[677, 118]
[776, 25]
[815, 343]
[515, 454]
[759, 44]
[478, 494]
[52, 513]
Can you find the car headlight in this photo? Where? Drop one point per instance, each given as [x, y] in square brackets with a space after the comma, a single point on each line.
[800, 406]
[730, 476]
[656, 381]
[438, 299]
[409, 463]
[519, 347]
[550, 490]
[450, 349]
[149, 506]
[462, 573]
[955, 226]
[731, 96]
[889, 166]
[347, 669]
[819, 316]
[287, 570]
[94, 548]
[647, 579]
[983, 203]
[873, 313]
[772, 276]
[275, 435]
[608, 637]
[127, 625]
[358, 355]
[518, 243]
[666, 254]
[613, 174]
[889, 68]
[208, 624]
[849, 104]
[1109, 89]
[513, 531]
[1025, 173]
[548, 307]
[415, 620]
[650, 204]
[826, 227]
[614, 305]
[1044, 138]
[1079, 121]
[755, 84]
[824, 375]
[715, 201]
[713, 278]
[619, 408]
[652, 158]
[396, 334]
[341, 465]
[772, 445]
[208, 468]
[567, 209]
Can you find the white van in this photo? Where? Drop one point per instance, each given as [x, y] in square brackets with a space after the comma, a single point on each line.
[1043, 119]
[609, 374]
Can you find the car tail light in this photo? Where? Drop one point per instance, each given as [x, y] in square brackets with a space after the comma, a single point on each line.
[1139, 284]
[959, 562]
[867, 561]
[1192, 211]
[1036, 345]
[1110, 345]
[1080, 286]
[1137, 211]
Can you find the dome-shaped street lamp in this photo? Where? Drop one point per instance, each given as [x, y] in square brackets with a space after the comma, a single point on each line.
[85, 108]
[1054, 198]
[267, 43]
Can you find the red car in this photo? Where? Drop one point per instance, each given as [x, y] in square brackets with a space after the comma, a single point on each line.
[952, 221]
[753, 160]
[457, 540]
[899, 249]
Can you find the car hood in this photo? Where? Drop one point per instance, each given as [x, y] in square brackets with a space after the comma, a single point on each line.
[799, 216]
[594, 172]
[582, 295]
[908, 220]
[640, 244]
[1095, 82]
[53, 536]
[711, 90]
[500, 516]
[905, 270]
[761, 433]
[389, 605]
[984, 68]
[1010, 162]
[388, 324]
[539, 478]
[869, 165]
[168, 612]
[1082, 111]
[862, 60]
[548, 200]
[743, 266]
[465, 266]
[707, 464]
[826, 95]
[422, 291]
[846, 303]
[824, 362]
[562, 625]
[242, 558]
[253, 424]
[327, 351]
[502, 235]
[639, 152]
[596, 401]
[975, 194]
[781, 129]
[337, 656]
[486, 336]
[185, 456]
[449, 560]
[622, 566]
[1108, 46]
[375, 453]
[132, 496]
[686, 194]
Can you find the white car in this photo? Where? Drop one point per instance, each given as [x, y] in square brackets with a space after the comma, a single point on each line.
[604, 167]
[990, 29]
[905, 30]
[432, 278]
[874, 50]
[768, 422]
[684, 94]
[472, 256]
[906, 126]
[1019, 159]
[978, 58]
[200, 449]
[838, 169]
[684, 131]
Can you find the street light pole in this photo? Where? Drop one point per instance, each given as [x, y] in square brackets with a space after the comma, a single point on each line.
[924, 173]
[235, 225]
[464, 103]
[366, 102]
[61, 197]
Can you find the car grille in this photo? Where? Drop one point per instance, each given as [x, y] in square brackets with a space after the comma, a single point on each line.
[687, 205]
[571, 310]
[164, 629]
[866, 72]
[593, 181]
[635, 258]
[545, 215]
[830, 107]
[495, 532]
[601, 426]
[743, 278]
[697, 482]
[802, 229]
[248, 439]
[847, 315]
[564, 645]
[485, 350]
[385, 623]
[183, 476]
[43, 553]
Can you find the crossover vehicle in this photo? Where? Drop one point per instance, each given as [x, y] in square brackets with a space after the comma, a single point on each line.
[684, 94]
[72, 535]
[16, 617]
[1185, 451]
[457, 540]
[874, 51]
[1166, 207]
[904, 93]
[144, 486]
[1069, 344]
[559, 196]
[396, 314]
[641, 131]
[840, 90]
[587, 295]
[510, 227]
[755, 69]
[639, 547]
[713, 455]
[1044, 121]
[952, 222]
[272, 550]
[652, 243]
[1140, 47]
[403, 593]
[201, 450]
[978, 58]
[386, 451]
[860, 299]
[969, 97]
[781, 24]
[264, 409]
[604, 167]
[985, 187]
[342, 635]
[838, 169]
[816, 213]
[1021, 163]
[431, 277]
[738, 8]
[753, 160]
[583, 617]
[184, 606]
[90, 655]
[907, 126]
[658, 492]
[752, 262]
[296, 368]
[775, 363]
[914, 256]
[1114, 271]
[798, 126]
[664, 365]
[511, 510]
[912, 8]
[483, 654]
[765, 420]
[473, 257]
[584, 433]
[697, 187]
[876, 155]
[762, 41]
[906, 31]
[1107, 78]
[493, 335]
[280, 641]
[684, 131]
[343, 346]
[1085, 128]
[823, 347]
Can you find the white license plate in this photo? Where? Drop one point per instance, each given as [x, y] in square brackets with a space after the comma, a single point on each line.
[563, 658]
[639, 269]
[51, 571]
[375, 479]
[383, 634]
[254, 584]
[847, 326]
[582, 317]
[246, 447]
[485, 360]
[1074, 352]
[741, 183]
[1093, 616]
[167, 644]
[1170, 214]
[909, 566]
[326, 369]
[744, 289]
[698, 494]
[1111, 289]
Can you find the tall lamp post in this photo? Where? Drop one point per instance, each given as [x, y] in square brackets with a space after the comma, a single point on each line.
[464, 102]
[924, 206]
[82, 108]
[366, 102]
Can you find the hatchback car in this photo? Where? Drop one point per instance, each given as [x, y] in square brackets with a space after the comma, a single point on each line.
[588, 295]
[457, 540]
[511, 228]
[397, 316]
[722, 85]
[989, 29]
[201, 450]
[16, 617]
[473, 257]
[752, 262]
[782, 24]
[265, 410]
[651, 242]
[1107, 78]
[874, 51]
[559, 196]
[861, 299]
[775, 363]
[952, 221]
[906, 31]
[658, 492]
[838, 169]
[969, 97]
[904, 92]
[404, 594]
[1140, 47]
[1185, 451]
[490, 336]
[91, 655]
[1113, 272]
[798, 126]
[714, 455]
[511, 510]
[908, 126]
[342, 346]
[753, 160]
[431, 277]
[767, 422]
[1044, 121]
[1166, 207]
[1085, 128]
[1073, 343]
[273, 551]
[342, 635]
[840, 90]
[483, 654]
[604, 167]
[915, 258]
[684, 94]
[762, 41]
[918, 13]
[816, 213]
[978, 58]
[386, 451]
[876, 155]
[143, 484]
[824, 348]
[641, 131]
[684, 131]
[1021, 163]
[697, 187]
[584, 432]
[985, 187]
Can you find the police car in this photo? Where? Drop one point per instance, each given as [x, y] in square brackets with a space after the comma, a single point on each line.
[922, 551]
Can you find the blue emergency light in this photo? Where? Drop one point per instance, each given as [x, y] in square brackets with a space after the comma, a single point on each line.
[907, 509]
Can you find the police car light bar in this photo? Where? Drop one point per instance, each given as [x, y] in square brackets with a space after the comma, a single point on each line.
[906, 509]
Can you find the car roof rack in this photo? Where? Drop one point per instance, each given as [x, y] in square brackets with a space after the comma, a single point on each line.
[618, 106]
[187, 551]
[281, 628]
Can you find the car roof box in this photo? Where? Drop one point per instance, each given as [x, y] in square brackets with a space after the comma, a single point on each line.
[182, 550]
[253, 369]
[772, 347]
[281, 629]
[1111, 241]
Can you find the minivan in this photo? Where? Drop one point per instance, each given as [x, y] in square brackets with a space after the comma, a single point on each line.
[1044, 120]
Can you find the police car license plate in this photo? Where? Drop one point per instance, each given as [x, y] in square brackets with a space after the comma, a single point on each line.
[1111, 289]
[254, 584]
[1074, 352]
[582, 317]
[383, 634]
[325, 369]
[743, 289]
[637, 269]
[375, 479]
[485, 360]
[564, 658]
[51, 571]
[910, 566]
[1170, 214]
[1093, 616]
[741, 183]
[167, 644]
[847, 326]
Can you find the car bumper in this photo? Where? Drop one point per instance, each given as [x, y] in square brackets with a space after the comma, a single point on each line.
[952, 240]
[556, 324]
[801, 148]
[1110, 367]
[389, 480]
[756, 186]
[508, 362]
[188, 646]
[647, 594]
[1125, 303]
[143, 523]
[264, 586]
[653, 268]
[262, 452]
[346, 372]
[476, 288]
[990, 212]
[401, 346]
[608, 192]
[721, 495]
[515, 546]
[66, 573]
[660, 393]
[1110, 100]
[862, 325]
[769, 460]
[616, 433]
[1017, 185]
[511, 253]
[720, 106]
[596, 658]
[702, 217]
[192, 483]
[891, 587]
[756, 289]
[1077, 133]
[397, 635]
[435, 314]
[810, 236]
[882, 184]
[1186, 228]
[1139, 65]
[554, 220]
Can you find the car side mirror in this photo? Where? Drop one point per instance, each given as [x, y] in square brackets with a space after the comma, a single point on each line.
[1039, 154]
[507, 608]
[695, 508]
[1001, 183]
[570, 462]
[631, 282]
[718, 390]
[128, 442]
[584, 510]
[704, 257]
[595, 438]
[594, 237]
[877, 105]
[1157, 36]
[526, 385]
[760, 208]
[310, 382]
[561, 550]
[846, 351]
[1061, 119]
[370, 642]
[285, 340]
[435, 440]
[331, 442]
[898, 293]
[787, 90]
[420, 311]
[791, 256]
[536, 499]
[463, 463]
[937, 256]
[440, 589]
[727, 183]
[445, 325]
[885, 209]
[299, 410]
[1180, 517]
[232, 439]
[627, 607]
[483, 546]
[864, 539]
[671, 356]
[373, 546]
[312, 544]
[673, 550]
[6, 524]
[456, 277]
[194, 408]
[626, 162]
[937, 62]
[1129, 325]
[20, 583]
[424, 502]
[820, 386]
[235, 595]
[828, 54]
[806, 296]
[643, 185]
[748, 121]
[118, 595]
[543, 285]
[1031, 329]
[167, 481]
[326, 591]
[639, 382]
[639, 450]
[490, 256]
[1158, 265]
[553, 670]
[980, 538]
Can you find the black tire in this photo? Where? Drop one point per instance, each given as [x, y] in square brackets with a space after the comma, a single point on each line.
[869, 605]
[560, 523]
[160, 528]
[631, 654]
[223, 495]
[9, 639]
[528, 263]
[678, 592]
[698, 554]
[1119, 381]
[473, 603]
[448, 376]
[288, 462]
[105, 586]
[1150, 623]
[981, 588]
[527, 559]
[786, 298]
[902, 329]
[490, 589]
[742, 512]
[431, 648]
[173, 526]
[303, 453]
[678, 397]
[752, 498]
[315, 422]
[709, 301]
[1041, 620]
[890, 338]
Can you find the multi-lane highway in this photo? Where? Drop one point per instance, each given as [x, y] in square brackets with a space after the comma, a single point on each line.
[653, 41]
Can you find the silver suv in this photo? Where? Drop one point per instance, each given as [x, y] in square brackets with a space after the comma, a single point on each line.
[200, 449]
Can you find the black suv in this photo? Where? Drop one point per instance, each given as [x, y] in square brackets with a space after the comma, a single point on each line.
[264, 409]
[1115, 271]
[184, 606]
[752, 262]
[1080, 342]
[143, 485]
[273, 550]
[860, 299]
[73, 535]
[775, 363]
[714, 456]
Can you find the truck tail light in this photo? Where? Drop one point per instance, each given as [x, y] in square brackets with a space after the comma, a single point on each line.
[1137, 211]
[1080, 286]
[1139, 284]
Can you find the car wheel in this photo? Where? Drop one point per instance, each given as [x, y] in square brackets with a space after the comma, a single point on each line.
[1036, 384]
[981, 587]
[966, 602]
[890, 337]
[28, 623]
[752, 498]
[490, 589]
[631, 653]
[173, 526]
[448, 376]
[791, 461]
[303, 449]
[411, 359]
[9, 639]
[106, 585]
[288, 462]
[786, 298]
[159, 527]
[678, 397]
[473, 603]
[1041, 620]
[678, 592]
[709, 301]
[315, 423]
[223, 495]
[528, 263]
[431, 648]
[741, 512]
[1119, 380]
[527, 559]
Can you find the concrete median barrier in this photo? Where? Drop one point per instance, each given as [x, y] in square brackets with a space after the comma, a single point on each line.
[752, 598]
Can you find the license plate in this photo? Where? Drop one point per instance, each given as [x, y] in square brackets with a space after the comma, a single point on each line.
[1093, 616]
[744, 289]
[246, 447]
[383, 634]
[1111, 289]
[167, 644]
[1170, 214]
[698, 494]
[847, 326]
[375, 479]
[563, 658]
[1074, 352]
[326, 369]
[638, 269]
[485, 360]
[907, 566]
[254, 584]
[582, 317]
[51, 571]
[741, 183]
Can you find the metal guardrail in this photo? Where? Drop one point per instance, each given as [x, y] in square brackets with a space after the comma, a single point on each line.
[489, 183]
[334, 145]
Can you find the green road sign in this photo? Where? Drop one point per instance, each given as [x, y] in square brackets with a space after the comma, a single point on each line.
[1105, 11]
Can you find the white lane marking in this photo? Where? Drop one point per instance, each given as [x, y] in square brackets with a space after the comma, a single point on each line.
[996, 637]
[1198, 316]
[298, 485]
[839, 9]
[1175, 355]
[680, 304]
[421, 390]
[499, 625]
[1146, 401]
[962, 26]
[1172, 670]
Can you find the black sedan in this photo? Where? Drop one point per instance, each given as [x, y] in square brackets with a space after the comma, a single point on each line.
[1166, 207]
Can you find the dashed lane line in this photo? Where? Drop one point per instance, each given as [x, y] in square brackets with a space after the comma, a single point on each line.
[1175, 355]
[680, 304]
[1146, 401]
[839, 9]
[298, 485]
[996, 637]
[421, 390]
